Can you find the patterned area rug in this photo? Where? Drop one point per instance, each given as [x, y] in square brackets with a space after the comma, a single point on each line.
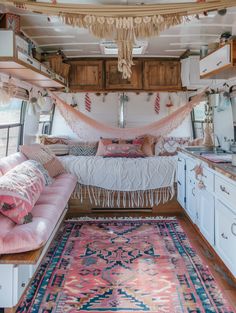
[128, 265]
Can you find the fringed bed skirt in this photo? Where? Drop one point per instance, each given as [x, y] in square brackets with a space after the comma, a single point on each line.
[129, 199]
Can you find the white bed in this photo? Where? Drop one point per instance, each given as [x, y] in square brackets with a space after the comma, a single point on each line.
[131, 182]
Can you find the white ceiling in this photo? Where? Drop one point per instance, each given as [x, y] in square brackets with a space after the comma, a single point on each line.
[50, 34]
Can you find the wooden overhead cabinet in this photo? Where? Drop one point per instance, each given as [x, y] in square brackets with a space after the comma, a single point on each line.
[162, 75]
[86, 75]
[114, 80]
[221, 63]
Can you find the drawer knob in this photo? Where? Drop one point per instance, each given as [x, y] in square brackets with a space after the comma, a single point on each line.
[179, 160]
[232, 229]
[31, 62]
[222, 188]
[224, 236]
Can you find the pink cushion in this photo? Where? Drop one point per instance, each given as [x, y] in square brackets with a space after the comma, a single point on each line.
[20, 188]
[7, 163]
[20, 238]
[124, 150]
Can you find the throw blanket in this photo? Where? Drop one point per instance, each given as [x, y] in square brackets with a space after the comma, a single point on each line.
[142, 180]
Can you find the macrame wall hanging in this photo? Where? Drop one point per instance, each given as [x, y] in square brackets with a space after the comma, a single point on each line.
[157, 106]
[123, 23]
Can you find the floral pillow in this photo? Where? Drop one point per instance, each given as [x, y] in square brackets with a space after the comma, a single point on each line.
[20, 188]
[124, 151]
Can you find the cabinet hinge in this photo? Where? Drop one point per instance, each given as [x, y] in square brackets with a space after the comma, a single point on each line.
[185, 167]
[184, 199]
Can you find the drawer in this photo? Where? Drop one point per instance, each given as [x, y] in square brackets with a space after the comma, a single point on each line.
[46, 70]
[28, 60]
[226, 191]
[208, 179]
[6, 285]
[225, 233]
[24, 275]
[60, 78]
[215, 60]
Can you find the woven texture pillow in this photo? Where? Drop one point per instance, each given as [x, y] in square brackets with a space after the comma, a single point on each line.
[20, 188]
[124, 151]
[167, 146]
[84, 148]
[43, 155]
[53, 140]
[59, 149]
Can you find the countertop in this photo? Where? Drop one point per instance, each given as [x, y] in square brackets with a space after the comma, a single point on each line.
[226, 169]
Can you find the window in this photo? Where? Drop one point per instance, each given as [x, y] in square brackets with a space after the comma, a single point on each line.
[45, 122]
[11, 126]
[198, 118]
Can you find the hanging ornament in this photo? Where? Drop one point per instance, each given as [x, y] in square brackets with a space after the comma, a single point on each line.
[157, 106]
[87, 103]
[169, 104]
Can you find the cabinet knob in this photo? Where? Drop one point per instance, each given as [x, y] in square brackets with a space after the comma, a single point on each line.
[205, 70]
[23, 285]
[179, 183]
[232, 229]
[28, 60]
[193, 191]
[224, 236]
[179, 160]
[219, 63]
[223, 189]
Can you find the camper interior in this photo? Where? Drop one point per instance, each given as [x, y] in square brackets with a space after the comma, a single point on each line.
[118, 156]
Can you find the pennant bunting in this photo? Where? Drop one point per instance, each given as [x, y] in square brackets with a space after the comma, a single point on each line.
[157, 106]
[87, 103]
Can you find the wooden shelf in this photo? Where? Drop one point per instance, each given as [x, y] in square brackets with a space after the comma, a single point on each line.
[17, 63]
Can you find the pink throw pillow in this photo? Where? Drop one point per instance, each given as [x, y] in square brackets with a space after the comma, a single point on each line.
[43, 155]
[124, 150]
[20, 188]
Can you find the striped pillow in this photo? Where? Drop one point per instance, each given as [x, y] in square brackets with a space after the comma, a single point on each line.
[84, 148]
[59, 149]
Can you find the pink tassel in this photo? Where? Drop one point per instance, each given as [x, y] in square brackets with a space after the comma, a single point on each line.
[87, 103]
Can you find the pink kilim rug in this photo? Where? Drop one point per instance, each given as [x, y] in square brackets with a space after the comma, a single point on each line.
[123, 265]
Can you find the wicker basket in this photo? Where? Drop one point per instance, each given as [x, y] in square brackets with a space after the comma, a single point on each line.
[65, 70]
[55, 63]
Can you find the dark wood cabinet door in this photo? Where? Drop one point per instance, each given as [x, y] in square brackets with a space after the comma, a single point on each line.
[162, 75]
[114, 80]
[86, 75]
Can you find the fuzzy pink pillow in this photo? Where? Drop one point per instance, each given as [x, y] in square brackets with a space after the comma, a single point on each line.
[20, 188]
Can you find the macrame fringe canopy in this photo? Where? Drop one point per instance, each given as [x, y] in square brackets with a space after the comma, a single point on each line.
[131, 199]
[89, 129]
[123, 23]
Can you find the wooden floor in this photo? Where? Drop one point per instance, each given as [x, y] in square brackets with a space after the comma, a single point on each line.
[222, 276]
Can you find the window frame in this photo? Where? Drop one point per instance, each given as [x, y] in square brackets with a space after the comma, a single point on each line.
[13, 125]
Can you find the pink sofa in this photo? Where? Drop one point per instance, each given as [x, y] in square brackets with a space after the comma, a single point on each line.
[46, 212]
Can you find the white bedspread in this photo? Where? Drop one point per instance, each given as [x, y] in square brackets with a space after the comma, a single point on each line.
[122, 174]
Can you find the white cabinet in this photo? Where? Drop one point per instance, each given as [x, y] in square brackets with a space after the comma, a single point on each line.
[216, 60]
[210, 204]
[181, 192]
[13, 281]
[191, 199]
[206, 214]
[225, 233]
